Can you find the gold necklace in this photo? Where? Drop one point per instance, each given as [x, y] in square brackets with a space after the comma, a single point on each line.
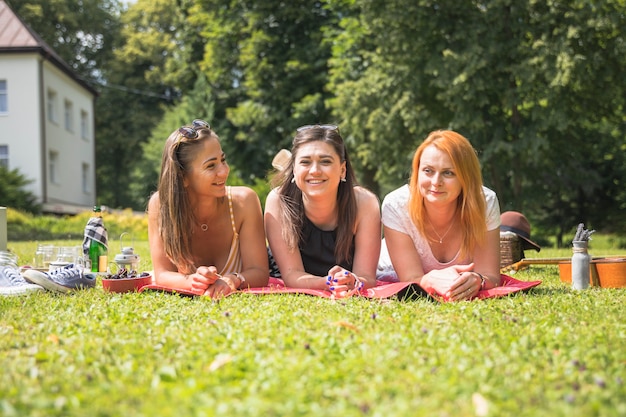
[441, 238]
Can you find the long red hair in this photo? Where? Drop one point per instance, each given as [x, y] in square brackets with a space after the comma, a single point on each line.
[471, 201]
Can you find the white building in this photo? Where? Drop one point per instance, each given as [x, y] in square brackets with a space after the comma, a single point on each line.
[46, 119]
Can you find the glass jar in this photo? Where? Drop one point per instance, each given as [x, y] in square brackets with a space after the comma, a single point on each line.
[44, 255]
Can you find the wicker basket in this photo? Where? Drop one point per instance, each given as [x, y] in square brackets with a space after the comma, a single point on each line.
[510, 249]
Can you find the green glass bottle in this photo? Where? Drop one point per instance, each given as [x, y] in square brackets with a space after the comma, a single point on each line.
[98, 254]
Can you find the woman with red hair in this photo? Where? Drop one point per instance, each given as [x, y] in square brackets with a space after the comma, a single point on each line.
[442, 229]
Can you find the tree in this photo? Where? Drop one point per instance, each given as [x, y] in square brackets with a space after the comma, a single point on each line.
[134, 96]
[81, 32]
[267, 64]
[519, 80]
[536, 86]
[198, 104]
[13, 194]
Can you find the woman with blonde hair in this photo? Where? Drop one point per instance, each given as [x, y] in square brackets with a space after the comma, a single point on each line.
[323, 229]
[442, 229]
[204, 236]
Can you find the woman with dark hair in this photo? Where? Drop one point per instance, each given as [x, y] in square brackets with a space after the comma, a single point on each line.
[204, 236]
[323, 229]
[442, 229]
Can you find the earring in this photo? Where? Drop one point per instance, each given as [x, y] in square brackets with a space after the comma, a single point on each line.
[293, 180]
[343, 179]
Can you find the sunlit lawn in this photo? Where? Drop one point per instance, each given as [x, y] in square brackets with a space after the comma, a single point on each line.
[551, 351]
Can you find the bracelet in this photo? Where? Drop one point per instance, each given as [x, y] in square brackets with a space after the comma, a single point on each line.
[242, 279]
[482, 280]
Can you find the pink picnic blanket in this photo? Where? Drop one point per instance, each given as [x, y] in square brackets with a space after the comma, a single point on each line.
[381, 290]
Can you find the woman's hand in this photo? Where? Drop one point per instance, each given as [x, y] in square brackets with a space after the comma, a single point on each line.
[223, 286]
[466, 286]
[342, 283]
[454, 283]
[203, 278]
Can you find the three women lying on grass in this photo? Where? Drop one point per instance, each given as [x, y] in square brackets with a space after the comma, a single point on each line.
[323, 230]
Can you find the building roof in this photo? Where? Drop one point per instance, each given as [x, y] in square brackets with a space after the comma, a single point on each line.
[17, 37]
[14, 33]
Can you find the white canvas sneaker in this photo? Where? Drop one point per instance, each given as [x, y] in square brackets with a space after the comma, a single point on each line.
[12, 283]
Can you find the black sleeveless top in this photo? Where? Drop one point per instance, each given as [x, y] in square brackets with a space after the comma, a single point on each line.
[317, 248]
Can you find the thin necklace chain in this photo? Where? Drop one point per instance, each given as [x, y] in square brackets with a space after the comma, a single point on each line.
[203, 226]
[441, 238]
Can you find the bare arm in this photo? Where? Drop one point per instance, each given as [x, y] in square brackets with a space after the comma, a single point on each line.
[485, 272]
[487, 259]
[251, 239]
[289, 261]
[408, 265]
[404, 256]
[165, 272]
[367, 237]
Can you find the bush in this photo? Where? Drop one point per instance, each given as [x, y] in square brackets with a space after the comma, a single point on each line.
[13, 194]
[22, 226]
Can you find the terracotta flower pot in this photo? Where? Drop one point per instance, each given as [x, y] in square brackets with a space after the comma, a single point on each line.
[125, 284]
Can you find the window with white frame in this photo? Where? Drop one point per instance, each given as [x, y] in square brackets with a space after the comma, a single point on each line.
[4, 156]
[53, 166]
[4, 97]
[84, 125]
[85, 178]
[69, 122]
[52, 106]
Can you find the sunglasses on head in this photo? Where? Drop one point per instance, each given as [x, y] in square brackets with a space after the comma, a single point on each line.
[325, 127]
[191, 132]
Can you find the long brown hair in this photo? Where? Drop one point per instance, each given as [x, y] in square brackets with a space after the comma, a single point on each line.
[176, 218]
[291, 204]
[470, 203]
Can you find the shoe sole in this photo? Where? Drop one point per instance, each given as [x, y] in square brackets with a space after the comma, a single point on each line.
[42, 279]
[21, 289]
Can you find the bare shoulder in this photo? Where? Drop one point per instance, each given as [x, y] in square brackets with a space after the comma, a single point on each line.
[273, 194]
[272, 202]
[365, 197]
[244, 196]
[153, 202]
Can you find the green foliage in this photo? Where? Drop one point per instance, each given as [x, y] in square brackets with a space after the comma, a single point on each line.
[145, 174]
[536, 86]
[26, 227]
[517, 80]
[550, 351]
[13, 194]
[268, 61]
[135, 96]
[80, 32]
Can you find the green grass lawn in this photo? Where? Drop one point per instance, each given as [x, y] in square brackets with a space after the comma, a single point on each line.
[551, 351]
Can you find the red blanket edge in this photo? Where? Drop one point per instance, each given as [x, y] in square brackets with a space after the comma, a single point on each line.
[382, 289]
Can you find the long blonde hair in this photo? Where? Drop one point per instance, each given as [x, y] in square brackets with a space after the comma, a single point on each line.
[470, 203]
[176, 218]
